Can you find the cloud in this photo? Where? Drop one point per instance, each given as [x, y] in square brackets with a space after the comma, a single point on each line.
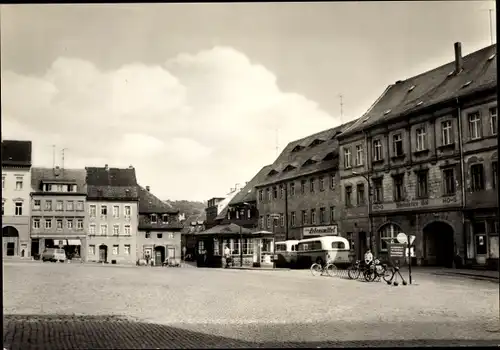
[192, 126]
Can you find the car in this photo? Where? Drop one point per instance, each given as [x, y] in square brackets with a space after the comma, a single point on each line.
[54, 255]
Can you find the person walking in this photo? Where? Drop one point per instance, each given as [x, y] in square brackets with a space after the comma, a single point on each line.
[227, 255]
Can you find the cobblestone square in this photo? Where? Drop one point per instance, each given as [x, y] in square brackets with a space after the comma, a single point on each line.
[63, 306]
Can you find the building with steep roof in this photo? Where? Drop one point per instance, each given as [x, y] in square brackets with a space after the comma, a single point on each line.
[58, 217]
[423, 161]
[159, 231]
[300, 187]
[16, 180]
[112, 207]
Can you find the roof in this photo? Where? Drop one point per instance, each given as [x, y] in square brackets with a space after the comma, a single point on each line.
[57, 175]
[149, 203]
[436, 86]
[223, 206]
[16, 153]
[112, 184]
[311, 154]
[249, 193]
[229, 229]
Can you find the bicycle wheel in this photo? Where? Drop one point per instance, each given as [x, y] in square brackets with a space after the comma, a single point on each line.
[388, 276]
[353, 272]
[369, 275]
[331, 270]
[316, 269]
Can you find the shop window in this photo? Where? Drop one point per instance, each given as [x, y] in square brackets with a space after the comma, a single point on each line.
[201, 247]
[388, 235]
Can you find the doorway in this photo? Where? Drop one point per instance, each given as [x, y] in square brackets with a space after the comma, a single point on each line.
[439, 244]
[11, 249]
[35, 247]
[10, 236]
[361, 246]
[103, 253]
[159, 255]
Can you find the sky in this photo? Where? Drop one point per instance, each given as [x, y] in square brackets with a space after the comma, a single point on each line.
[199, 97]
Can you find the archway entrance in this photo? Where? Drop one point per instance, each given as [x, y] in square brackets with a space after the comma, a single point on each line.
[10, 237]
[159, 255]
[439, 244]
[103, 253]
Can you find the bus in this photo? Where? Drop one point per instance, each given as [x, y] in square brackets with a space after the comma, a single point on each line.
[286, 252]
[322, 250]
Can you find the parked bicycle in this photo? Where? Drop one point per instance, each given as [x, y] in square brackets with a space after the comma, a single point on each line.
[356, 269]
[375, 271]
[392, 276]
[329, 268]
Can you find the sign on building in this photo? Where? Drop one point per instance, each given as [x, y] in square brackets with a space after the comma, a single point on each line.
[320, 231]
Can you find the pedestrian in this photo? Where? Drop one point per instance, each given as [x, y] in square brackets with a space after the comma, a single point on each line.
[368, 257]
[227, 255]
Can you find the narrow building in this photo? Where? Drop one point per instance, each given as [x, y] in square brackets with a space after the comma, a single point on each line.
[16, 181]
[112, 209]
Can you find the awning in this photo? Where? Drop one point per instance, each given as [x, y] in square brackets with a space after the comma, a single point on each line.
[74, 242]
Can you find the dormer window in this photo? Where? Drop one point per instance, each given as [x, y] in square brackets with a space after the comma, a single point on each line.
[272, 172]
[154, 219]
[297, 148]
[329, 156]
[316, 142]
[289, 168]
[309, 162]
[164, 218]
[229, 215]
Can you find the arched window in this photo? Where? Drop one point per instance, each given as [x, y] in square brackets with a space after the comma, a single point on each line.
[388, 235]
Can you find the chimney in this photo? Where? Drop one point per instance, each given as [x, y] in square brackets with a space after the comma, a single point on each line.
[148, 188]
[106, 167]
[130, 167]
[57, 171]
[458, 58]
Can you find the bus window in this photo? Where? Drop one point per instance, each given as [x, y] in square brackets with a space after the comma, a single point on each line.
[281, 247]
[293, 248]
[338, 245]
[316, 245]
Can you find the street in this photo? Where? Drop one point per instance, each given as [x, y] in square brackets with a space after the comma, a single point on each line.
[64, 306]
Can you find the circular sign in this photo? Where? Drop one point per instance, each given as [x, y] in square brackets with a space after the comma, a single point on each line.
[402, 238]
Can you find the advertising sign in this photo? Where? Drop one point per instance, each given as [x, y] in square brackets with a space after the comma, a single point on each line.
[397, 250]
[320, 231]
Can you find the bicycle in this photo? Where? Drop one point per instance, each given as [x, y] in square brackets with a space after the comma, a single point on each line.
[356, 269]
[393, 274]
[329, 268]
[375, 271]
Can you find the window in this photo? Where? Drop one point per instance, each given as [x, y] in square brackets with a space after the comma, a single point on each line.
[115, 249]
[449, 181]
[79, 224]
[116, 211]
[282, 220]
[360, 191]
[338, 245]
[59, 188]
[377, 150]
[332, 181]
[332, 215]
[282, 191]
[493, 120]
[229, 215]
[311, 185]
[261, 195]
[201, 247]
[104, 230]
[446, 135]
[37, 204]
[397, 145]
[322, 215]
[128, 210]
[474, 126]
[164, 218]
[104, 210]
[69, 224]
[275, 192]
[92, 211]
[292, 219]
[398, 181]
[347, 158]
[19, 208]
[359, 155]
[92, 229]
[116, 229]
[154, 219]
[422, 180]
[304, 217]
[91, 249]
[421, 139]
[269, 194]
[70, 206]
[261, 221]
[494, 174]
[249, 213]
[126, 249]
[147, 235]
[268, 221]
[59, 224]
[388, 236]
[348, 192]
[36, 223]
[79, 206]
[313, 216]
[292, 189]
[48, 223]
[126, 230]
[378, 192]
[477, 177]
[48, 205]
[59, 205]
[170, 235]
[303, 186]
[19, 183]
[159, 235]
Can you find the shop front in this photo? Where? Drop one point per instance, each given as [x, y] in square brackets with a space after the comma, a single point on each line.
[482, 238]
[73, 246]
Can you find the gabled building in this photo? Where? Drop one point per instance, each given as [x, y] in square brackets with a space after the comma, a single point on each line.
[112, 208]
[16, 181]
[159, 231]
[192, 225]
[427, 152]
[58, 217]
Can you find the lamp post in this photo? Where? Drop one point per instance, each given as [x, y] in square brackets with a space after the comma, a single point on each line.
[370, 225]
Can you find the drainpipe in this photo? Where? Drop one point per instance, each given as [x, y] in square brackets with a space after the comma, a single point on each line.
[286, 210]
[462, 173]
[370, 194]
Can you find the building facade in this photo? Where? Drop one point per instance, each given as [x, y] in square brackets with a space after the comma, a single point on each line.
[212, 211]
[112, 209]
[301, 189]
[16, 181]
[58, 217]
[159, 230]
[430, 156]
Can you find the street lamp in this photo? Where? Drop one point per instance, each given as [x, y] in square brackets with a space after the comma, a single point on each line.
[370, 225]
